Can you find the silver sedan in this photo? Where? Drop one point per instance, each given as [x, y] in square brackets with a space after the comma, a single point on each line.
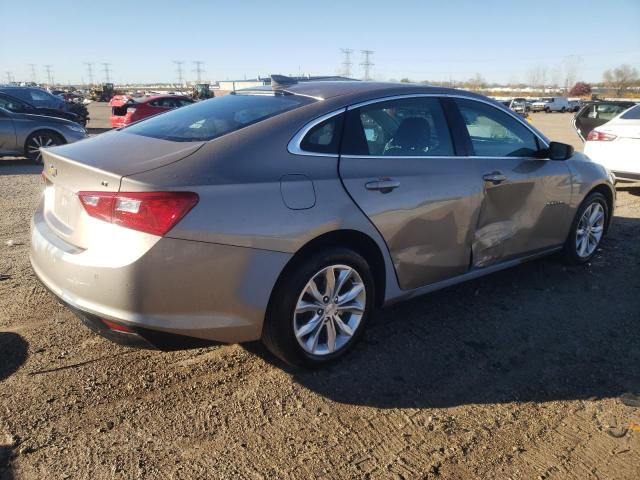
[288, 213]
[25, 134]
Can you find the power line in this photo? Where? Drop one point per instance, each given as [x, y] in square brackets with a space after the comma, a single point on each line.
[89, 71]
[367, 63]
[34, 78]
[199, 70]
[106, 67]
[179, 64]
[346, 64]
[48, 69]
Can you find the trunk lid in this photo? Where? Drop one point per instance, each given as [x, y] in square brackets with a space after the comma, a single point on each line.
[98, 164]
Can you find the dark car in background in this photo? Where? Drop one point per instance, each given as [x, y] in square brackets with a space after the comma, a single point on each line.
[597, 113]
[42, 99]
[38, 97]
[16, 105]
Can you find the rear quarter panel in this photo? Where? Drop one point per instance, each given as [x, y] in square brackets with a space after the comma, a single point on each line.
[238, 178]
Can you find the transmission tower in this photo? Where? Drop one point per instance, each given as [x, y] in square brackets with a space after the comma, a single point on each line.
[179, 64]
[367, 63]
[34, 78]
[89, 71]
[199, 70]
[106, 68]
[346, 64]
[49, 73]
[9, 76]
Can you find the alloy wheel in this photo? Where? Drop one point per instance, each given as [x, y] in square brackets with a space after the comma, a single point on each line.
[38, 141]
[329, 310]
[590, 230]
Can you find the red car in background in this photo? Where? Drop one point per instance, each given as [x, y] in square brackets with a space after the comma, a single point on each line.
[126, 109]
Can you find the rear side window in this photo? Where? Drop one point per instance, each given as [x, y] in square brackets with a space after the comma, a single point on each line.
[495, 133]
[39, 96]
[213, 118]
[632, 113]
[412, 127]
[324, 137]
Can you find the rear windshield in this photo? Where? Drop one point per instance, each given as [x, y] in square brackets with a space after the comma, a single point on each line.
[213, 118]
[632, 114]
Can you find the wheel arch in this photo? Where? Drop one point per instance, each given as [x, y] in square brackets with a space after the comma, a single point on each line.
[606, 191]
[355, 240]
[43, 130]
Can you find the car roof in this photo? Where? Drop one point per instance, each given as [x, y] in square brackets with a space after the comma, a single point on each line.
[355, 90]
[146, 99]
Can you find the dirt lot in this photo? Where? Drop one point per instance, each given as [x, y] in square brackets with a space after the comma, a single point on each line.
[529, 373]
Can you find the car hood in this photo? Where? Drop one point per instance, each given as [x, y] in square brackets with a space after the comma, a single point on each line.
[45, 118]
[123, 154]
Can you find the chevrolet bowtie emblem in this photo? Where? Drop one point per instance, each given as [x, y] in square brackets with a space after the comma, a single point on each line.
[53, 171]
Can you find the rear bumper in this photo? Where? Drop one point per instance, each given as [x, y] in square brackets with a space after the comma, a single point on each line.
[173, 287]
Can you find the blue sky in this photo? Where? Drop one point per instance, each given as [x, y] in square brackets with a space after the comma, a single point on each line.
[435, 40]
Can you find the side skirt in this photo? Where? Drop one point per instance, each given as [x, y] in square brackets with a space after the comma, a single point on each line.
[476, 273]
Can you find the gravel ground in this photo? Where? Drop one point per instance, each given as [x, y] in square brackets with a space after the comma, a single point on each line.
[528, 373]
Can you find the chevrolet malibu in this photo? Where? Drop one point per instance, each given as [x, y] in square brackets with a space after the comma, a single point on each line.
[288, 213]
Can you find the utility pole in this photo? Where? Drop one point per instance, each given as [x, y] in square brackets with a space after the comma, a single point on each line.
[179, 64]
[367, 63]
[33, 72]
[106, 67]
[90, 71]
[199, 70]
[49, 74]
[346, 64]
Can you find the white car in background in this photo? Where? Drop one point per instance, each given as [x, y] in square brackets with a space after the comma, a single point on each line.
[616, 145]
[551, 104]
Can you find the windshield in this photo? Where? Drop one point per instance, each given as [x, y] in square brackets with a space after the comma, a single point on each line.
[213, 118]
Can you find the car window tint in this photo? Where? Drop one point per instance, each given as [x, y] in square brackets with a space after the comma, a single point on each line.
[632, 113]
[212, 118]
[12, 105]
[324, 137]
[413, 127]
[606, 111]
[495, 133]
[39, 96]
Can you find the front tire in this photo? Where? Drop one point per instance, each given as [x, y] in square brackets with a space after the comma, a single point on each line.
[38, 140]
[587, 230]
[319, 309]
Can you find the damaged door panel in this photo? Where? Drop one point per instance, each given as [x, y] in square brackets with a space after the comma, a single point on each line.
[521, 214]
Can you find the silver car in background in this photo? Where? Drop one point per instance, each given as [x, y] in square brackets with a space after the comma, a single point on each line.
[24, 134]
[288, 213]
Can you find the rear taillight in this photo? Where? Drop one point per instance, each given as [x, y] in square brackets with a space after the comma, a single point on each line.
[131, 110]
[151, 212]
[596, 136]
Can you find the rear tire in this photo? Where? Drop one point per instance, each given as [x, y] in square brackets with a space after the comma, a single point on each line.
[587, 230]
[41, 138]
[301, 327]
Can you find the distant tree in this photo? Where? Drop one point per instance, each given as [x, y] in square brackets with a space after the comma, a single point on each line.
[580, 89]
[620, 78]
[405, 80]
[477, 82]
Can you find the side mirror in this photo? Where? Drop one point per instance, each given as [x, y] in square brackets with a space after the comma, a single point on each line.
[559, 151]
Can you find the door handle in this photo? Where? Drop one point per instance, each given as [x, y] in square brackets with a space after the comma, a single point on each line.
[494, 177]
[384, 185]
